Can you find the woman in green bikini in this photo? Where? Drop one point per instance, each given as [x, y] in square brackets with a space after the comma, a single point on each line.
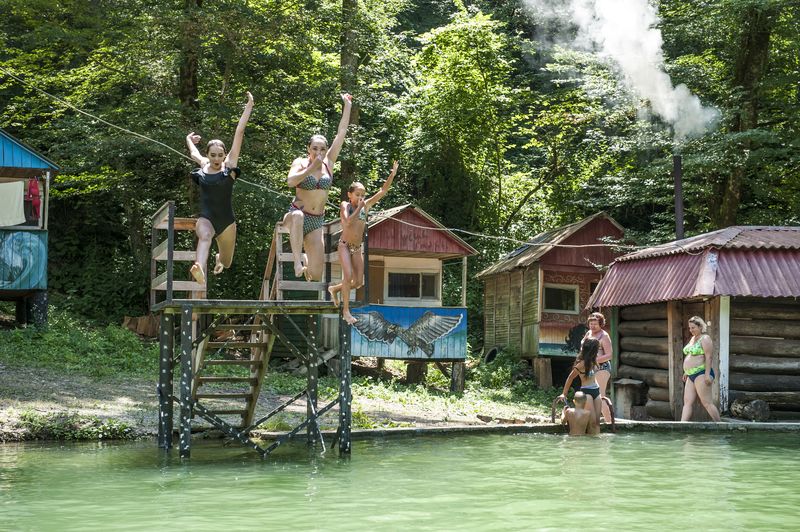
[698, 375]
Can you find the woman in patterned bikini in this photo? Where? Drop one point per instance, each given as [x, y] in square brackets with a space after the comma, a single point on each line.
[311, 178]
[698, 375]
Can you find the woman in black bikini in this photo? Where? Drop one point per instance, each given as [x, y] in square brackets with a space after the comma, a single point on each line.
[586, 368]
[596, 322]
[215, 177]
[311, 178]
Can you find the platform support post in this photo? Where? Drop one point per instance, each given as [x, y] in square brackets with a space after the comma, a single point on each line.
[312, 374]
[186, 381]
[166, 341]
[345, 393]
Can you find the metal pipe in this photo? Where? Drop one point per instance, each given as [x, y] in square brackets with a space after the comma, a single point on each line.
[677, 174]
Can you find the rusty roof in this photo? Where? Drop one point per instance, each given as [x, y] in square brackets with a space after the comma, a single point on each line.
[539, 245]
[735, 261]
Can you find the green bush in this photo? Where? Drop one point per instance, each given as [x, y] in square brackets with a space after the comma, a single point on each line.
[72, 427]
[503, 371]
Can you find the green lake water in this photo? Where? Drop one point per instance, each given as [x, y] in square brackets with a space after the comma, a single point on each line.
[657, 481]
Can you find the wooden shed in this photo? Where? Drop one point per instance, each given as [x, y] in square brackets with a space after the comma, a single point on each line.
[535, 297]
[24, 193]
[744, 281]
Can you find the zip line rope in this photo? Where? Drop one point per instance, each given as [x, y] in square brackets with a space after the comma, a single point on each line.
[264, 187]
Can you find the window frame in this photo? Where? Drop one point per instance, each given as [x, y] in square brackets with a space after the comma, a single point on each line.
[576, 290]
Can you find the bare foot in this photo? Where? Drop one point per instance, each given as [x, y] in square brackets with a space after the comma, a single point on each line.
[349, 318]
[197, 273]
[299, 267]
[334, 292]
[218, 267]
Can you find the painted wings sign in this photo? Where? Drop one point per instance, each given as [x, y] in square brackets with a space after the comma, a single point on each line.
[436, 333]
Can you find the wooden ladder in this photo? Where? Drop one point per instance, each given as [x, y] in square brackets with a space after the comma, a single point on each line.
[165, 252]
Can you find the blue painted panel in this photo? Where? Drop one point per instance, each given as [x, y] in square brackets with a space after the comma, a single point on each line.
[434, 333]
[556, 350]
[14, 154]
[23, 260]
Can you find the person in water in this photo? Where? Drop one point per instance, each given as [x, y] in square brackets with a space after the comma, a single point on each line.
[353, 214]
[698, 375]
[311, 177]
[579, 420]
[215, 176]
[585, 367]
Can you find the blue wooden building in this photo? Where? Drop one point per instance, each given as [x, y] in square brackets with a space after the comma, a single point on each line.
[25, 177]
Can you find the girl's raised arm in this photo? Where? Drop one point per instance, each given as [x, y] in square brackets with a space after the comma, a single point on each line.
[191, 142]
[232, 159]
[341, 132]
[384, 189]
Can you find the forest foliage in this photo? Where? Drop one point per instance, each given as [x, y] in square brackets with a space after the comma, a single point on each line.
[502, 126]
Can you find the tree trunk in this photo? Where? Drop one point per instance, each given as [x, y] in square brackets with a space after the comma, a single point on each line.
[757, 22]
[348, 78]
[187, 78]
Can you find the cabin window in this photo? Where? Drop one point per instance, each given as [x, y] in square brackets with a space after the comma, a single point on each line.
[412, 285]
[561, 298]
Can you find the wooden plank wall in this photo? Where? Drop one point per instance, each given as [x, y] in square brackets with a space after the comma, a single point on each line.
[765, 353]
[530, 310]
[643, 353]
[501, 308]
[515, 309]
[489, 296]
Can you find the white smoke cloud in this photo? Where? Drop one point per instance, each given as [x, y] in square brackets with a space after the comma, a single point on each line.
[626, 31]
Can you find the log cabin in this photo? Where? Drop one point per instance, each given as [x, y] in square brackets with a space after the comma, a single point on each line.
[25, 177]
[744, 281]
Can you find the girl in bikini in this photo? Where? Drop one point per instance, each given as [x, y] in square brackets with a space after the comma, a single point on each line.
[215, 176]
[354, 220]
[586, 368]
[596, 322]
[698, 375]
[311, 178]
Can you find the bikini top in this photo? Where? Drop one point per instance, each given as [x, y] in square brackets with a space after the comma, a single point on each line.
[361, 215]
[311, 183]
[693, 349]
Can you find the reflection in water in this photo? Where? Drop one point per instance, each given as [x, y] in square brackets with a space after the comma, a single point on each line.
[619, 481]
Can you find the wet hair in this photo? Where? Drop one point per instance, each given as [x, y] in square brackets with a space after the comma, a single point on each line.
[215, 142]
[579, 398]
[697, 320]
[601, 320]
[317, 137]
[588, 354]
[355, 185]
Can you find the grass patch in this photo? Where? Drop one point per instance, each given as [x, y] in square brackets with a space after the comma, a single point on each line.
[68, 345]
[72, 427]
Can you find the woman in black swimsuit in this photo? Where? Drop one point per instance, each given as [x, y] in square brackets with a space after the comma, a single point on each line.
[215, 178]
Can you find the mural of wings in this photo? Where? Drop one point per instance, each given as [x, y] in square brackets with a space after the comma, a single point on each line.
[421, 335]
[376, 328]
[429, 328]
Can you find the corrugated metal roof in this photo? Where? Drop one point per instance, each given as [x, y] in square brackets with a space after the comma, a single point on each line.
[736, 261]
[533, 250]
[738, 236]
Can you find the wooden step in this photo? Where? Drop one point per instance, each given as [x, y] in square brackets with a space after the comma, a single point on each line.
[224, 362]
[223, 396]
[235, 327]
[180, 224]
[248, 380]
[235, 345]
[228, 411]
[160, 283]
[329, 257]
[160, 253]
[315, 286]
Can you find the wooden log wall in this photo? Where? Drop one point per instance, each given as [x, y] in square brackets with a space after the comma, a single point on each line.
[643, 353]
[765, 353]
